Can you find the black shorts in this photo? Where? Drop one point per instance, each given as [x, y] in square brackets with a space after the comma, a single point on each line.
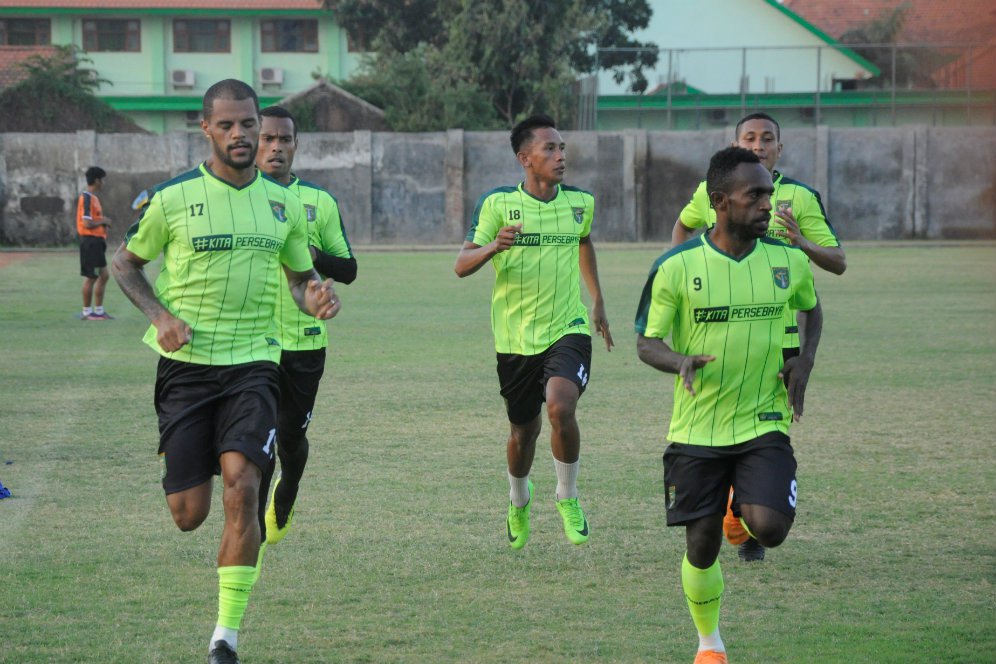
[300, 373]
[523, 377]
[92, 250]
[697, 478]
[207, 410]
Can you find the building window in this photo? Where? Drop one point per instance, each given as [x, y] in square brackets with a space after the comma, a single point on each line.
[112, 35]
[25, 32]
[201, 36]
[278, 36]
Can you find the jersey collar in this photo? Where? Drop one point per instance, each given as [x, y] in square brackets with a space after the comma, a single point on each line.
[208, 171]
[708, 241]
[522, 188]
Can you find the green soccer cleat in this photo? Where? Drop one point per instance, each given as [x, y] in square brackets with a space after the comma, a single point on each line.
[274, 533]
[517, 522]
[575, 523]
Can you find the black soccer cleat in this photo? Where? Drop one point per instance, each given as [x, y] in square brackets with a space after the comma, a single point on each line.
[750, 551]
[222, 653]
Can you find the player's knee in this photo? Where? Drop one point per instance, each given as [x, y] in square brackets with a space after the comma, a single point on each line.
[770, 533]
[561, 412]
[187, 518]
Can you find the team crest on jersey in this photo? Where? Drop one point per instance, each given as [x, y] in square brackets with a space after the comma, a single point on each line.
[578, 215]
[309, 211]
[781, 276]
[783, 206]
[279, 211]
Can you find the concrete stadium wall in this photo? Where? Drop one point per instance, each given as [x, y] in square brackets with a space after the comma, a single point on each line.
[421, 189]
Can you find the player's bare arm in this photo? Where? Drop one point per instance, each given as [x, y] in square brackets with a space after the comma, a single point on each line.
[312, 295]
[589, 272]
[660, 356]
[172, 334]
[798, 368]
[831, 259]
[681, 233]
[472, 256]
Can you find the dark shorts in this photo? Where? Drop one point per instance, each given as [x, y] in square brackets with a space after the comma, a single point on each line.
[523, 377]
[300, 373]
[697, 478]
[92, 250]
[207, 410]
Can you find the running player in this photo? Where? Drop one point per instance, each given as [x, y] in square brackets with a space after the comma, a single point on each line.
[536, 236]
[92, 225]
[721, 298]
[224, 230]
[303, 338]
[799, 220]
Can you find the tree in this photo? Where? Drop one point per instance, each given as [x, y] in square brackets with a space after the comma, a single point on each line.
[419, 93]
[913, 66]
[523, 56]
[57, 94]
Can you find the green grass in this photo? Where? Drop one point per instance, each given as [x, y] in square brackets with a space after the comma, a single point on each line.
[398, 552]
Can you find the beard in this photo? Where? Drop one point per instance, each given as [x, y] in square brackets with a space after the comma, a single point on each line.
[225, 157]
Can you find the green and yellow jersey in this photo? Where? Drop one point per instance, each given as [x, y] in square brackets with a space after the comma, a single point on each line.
[298, 330]
[222, 251]
[712, 304]
[807, 208]
[537, 293]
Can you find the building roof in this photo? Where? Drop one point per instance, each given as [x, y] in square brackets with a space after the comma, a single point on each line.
[242, 5]
[11, 56]
[926, 21]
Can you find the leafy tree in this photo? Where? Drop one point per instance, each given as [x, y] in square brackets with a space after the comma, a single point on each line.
[522, 56]
[913, 66]
[418, 92]
[57, 94]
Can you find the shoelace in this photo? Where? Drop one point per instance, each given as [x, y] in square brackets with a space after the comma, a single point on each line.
[574, 516]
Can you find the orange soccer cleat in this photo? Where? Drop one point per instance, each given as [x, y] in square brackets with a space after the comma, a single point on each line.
[710, 657]
[732, 528]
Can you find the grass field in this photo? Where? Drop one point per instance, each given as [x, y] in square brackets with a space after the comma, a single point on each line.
[398, 553]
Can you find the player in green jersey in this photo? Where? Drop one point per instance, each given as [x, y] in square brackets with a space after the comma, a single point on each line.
[536, 236]
[225, 230]
[800, 220]
[720, 298]
[303, 338]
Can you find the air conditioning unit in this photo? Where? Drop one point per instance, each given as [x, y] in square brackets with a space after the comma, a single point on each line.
[182, 78]
[271, 75]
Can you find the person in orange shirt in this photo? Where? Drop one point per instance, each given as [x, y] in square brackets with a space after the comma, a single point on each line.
[92, 225]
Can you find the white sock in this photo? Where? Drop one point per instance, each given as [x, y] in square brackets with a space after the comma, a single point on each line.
[224, 634]
[518, 490]
[98, 310]
[87, 311]
[711, 642]
[567, 479]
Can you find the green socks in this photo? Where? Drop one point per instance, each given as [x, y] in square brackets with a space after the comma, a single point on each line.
[234, 585]
[704, 593]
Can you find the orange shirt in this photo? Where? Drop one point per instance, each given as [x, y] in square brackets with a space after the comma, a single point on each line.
[88, 207]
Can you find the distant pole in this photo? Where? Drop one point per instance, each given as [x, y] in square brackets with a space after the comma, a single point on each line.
[819, 77]
[893, 94]
[968, 86]
[670, 82]
[743, 82]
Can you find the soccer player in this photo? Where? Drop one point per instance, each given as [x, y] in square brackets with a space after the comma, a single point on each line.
[92, 225]
[303, 338]
[720, 298]
[536, 235]
[224, 230]
[799, 220]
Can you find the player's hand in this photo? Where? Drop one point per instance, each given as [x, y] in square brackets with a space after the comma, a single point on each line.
[506, 237]
[172, 334]
[790, 231]
[321, 299]
[689, 366]
[600, 322]
[797, 369]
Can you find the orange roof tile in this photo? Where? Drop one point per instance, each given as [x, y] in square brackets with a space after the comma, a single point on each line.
[926, 21]
[11, 56]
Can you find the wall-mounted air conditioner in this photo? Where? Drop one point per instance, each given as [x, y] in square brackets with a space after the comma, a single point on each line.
[182, 78]
[271, 75]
